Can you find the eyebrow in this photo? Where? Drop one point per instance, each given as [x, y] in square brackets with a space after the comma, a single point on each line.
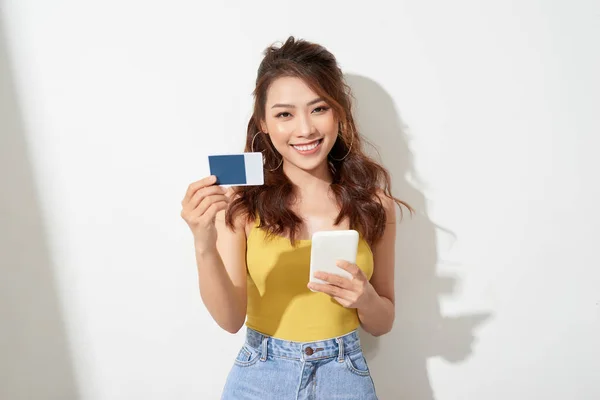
[310, 103]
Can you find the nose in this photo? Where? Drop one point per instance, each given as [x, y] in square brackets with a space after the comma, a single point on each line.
[305, 126]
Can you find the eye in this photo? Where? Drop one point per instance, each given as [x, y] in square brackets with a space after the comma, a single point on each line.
[321, 109]
[283, 114]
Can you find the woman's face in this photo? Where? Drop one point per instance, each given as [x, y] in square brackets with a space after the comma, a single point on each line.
[301, 125]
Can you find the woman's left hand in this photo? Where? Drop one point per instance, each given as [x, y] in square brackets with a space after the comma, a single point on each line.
[356, 292]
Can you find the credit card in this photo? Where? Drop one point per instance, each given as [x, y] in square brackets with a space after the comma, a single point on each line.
[244, 169]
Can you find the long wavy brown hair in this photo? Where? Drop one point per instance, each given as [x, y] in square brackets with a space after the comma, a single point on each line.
[357, 178]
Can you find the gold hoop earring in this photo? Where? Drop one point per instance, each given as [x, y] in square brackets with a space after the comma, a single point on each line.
[349, 150]
[252, 149]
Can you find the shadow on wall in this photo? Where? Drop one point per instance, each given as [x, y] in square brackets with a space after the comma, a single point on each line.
[34, 355]
[399, 360]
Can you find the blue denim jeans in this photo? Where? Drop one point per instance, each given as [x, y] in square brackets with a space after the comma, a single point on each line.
[267, 368]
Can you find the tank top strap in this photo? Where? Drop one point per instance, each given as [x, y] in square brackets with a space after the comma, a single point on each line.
[255, 226]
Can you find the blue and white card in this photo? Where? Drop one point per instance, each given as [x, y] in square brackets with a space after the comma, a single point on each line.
[245, 169]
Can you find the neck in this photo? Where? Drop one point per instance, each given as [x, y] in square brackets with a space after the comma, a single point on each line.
[307, 182]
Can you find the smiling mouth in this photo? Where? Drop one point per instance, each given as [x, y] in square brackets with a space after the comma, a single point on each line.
[309, 146]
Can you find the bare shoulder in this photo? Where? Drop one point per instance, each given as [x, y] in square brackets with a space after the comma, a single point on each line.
[388, 203]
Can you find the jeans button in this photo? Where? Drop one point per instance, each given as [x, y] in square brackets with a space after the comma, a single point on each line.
[309, 351]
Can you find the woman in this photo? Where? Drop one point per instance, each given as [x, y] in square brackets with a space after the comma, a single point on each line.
[253, 243]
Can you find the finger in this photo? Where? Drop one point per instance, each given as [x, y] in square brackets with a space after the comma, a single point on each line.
[333, 279]
[352, 268]
[203, 193]
[207, 202]
[190, 213]
[230, 192]
[343, 302]
[193, 187]
[214, 208]
[330, 290]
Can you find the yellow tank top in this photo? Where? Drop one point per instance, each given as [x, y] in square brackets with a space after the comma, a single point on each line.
[280, 304]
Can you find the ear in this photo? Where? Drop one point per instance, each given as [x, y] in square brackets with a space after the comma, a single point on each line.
[263, 127]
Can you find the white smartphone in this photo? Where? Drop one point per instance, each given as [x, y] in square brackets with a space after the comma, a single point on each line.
[329, 246]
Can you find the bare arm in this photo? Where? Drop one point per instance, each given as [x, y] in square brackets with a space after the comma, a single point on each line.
[374, 299]
[220, 253]
[222, 276]
[377, 315]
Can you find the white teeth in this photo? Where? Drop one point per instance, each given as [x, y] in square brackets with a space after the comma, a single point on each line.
[307, 148]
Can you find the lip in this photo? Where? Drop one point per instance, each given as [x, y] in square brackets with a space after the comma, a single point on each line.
[318, 142]
[305, 144]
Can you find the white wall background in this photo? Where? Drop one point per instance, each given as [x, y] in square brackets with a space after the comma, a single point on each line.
[486, 113]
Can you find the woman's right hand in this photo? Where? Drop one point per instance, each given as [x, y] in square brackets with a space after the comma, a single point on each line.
[202, 201]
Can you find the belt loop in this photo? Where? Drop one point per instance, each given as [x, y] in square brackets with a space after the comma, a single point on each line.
[341, 349]
[263, 355]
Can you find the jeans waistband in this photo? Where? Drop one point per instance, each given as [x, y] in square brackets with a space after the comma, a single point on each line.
[306, 351]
